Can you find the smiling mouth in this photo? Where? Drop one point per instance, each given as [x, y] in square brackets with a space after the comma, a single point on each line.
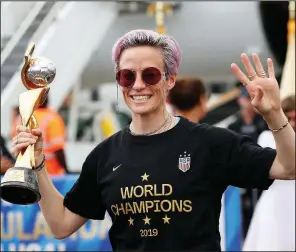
[141, 97]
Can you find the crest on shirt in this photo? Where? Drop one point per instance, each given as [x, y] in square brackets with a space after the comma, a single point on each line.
[184, 162]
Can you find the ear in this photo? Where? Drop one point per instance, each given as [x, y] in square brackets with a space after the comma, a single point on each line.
[171, 81]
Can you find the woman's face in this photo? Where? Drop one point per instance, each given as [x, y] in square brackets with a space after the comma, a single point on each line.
[142, 98]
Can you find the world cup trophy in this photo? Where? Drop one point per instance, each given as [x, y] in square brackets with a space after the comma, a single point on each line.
[20, 184]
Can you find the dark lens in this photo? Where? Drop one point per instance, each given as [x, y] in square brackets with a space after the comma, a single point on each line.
[125, 78]
[151, 76]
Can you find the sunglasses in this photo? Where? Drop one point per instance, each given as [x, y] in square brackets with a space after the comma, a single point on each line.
[150, 76]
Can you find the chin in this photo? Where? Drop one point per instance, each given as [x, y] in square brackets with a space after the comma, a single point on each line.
[140, 107]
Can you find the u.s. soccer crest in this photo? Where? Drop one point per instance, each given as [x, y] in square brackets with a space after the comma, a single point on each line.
[184, 162]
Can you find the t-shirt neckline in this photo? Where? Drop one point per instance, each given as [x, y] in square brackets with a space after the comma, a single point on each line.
[155, 137]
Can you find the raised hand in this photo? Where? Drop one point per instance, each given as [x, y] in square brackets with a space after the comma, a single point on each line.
[262, 87]
[24, 138]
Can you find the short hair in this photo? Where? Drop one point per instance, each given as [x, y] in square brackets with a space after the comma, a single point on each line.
[186, 93]
[169, 46]
[288, 104]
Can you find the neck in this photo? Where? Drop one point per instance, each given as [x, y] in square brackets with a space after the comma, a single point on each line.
[193, 115]
[149, 122]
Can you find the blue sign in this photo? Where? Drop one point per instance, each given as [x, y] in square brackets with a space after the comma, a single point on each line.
[23, 228]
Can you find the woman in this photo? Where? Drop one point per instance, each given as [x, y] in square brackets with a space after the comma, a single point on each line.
[162, 178]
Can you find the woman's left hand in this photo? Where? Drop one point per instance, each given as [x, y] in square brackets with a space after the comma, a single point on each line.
[262, 87]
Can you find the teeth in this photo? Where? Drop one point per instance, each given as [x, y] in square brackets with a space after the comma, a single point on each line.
[141, 97]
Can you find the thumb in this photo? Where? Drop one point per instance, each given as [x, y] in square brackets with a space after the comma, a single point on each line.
[36, 132]
[258, 96]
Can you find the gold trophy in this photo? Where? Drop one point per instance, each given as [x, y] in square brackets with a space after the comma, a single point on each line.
[20, 184]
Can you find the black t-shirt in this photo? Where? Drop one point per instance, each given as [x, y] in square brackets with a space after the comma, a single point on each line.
[163, 192]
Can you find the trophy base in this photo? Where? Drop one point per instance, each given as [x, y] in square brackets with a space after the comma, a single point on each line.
[20, 186]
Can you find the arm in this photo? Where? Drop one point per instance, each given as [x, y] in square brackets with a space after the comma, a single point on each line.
[236, 160]
[264, 91]
[283, 166]
[64, 215]
[61, 221]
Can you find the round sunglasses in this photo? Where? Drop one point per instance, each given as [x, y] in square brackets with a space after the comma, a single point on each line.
[150, 76]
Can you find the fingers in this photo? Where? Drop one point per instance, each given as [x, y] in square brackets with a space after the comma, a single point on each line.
[36, 132]
[258, 96]
[270, 66]
[24, 137]
[21, 128]
[22, 140]
[258, 65]
[239, 74]
[248, 66]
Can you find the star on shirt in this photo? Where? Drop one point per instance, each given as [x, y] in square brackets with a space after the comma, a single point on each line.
[147, 220]
[145, 177]
[166, 219]
[131, 221]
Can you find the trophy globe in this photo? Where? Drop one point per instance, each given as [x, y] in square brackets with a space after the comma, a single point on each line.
[20, 184]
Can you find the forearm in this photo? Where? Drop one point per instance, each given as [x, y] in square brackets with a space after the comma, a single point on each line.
[51, 204]
[284, 140]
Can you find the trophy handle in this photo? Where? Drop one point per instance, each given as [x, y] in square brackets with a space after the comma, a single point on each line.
[29, 101]
[26, 157]
[43, 96]
[28, 55]
[29, 52]
[20, 183]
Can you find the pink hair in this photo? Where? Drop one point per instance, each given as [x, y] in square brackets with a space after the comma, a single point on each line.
[169, 46]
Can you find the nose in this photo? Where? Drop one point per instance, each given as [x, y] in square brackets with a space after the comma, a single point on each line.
[139, 84]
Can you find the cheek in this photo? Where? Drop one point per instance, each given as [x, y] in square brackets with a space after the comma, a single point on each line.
[124, 92]
[160, 94]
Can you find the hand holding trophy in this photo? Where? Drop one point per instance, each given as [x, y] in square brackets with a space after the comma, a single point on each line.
[20, 184]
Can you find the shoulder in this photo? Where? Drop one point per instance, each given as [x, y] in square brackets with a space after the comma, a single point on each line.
[208, 134]
[236, 124]
[102, 150]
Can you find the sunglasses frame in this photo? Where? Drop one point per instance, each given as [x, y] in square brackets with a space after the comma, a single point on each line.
[163, 75]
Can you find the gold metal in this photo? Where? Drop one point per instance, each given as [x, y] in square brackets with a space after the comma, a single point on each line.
[20, 184]
[262, 74]
[159, 10]
[252, 76]
[29, 101]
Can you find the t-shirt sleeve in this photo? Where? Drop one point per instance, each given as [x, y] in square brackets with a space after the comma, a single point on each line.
[238, 161]
[85, 197]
